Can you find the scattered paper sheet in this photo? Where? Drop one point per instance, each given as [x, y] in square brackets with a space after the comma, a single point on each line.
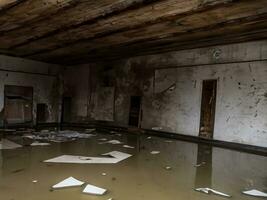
[129, 147]
[115, 157]
[155, 152]
[69, 182]
[7, 144]
[91, 189]
[255, 193]
[40, 144]
[208, 190]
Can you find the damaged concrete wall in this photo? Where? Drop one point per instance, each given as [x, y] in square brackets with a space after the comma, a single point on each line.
[171, 88]
[41, 76]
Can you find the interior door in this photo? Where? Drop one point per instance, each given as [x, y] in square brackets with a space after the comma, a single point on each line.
[208, 104]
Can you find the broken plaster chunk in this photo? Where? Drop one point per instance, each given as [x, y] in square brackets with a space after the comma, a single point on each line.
[91, 189]
[69, 182]
[255, 193]
[209, 190]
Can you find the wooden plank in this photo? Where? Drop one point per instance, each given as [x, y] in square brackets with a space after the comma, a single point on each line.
[127, 20]
[242, 31]
[185, 24]
[83, 13]
[31, 10]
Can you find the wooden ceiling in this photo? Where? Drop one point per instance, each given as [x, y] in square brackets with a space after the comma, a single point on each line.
[79, 31]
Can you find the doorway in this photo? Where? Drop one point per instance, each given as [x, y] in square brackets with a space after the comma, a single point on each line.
[41, 113]
[208, 104]
[18, 105]
[135, 111]
[66, 109]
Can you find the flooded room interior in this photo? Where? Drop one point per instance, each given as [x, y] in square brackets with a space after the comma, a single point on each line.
[133, 99]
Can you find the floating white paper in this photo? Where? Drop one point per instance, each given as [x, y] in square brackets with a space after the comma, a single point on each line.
[69, 182]
[40, 144]
[255, 193]
[116, 157]
[91, 189]
[127, 146]
[155, 152]
[7, 144]
[208, 190]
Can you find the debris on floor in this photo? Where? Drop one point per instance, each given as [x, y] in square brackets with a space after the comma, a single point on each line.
[34, 181]
[7, 144]
[90, 130]
[112, 142]
[168, 168]
[129, 147]
[91, 189]
[255, 193]
[40, 144]
[115, 157]
[155, 152]
[156, 128]
[69, 182]
[103, 139]
[104, 174]
[200, 164]
[209, 190]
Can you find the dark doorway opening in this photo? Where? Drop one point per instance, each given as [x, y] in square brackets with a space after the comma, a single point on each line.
[18, 105]
[66, 109]
[135, 111]
[208, 104]
[41, 113]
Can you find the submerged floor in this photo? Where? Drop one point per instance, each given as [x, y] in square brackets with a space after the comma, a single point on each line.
[141, 177]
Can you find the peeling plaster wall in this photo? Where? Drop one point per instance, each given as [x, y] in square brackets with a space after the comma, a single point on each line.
[41, 76]
[171, 88]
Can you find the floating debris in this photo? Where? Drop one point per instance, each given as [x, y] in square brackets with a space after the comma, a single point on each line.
[168, 168]
[255, 193]
[129, 147]
[7, 144]
[209, 190]
[40, 144]
[115, 157]
[155, 152]
[200, 164]
[69, 182]
[156, 128]
[91, 189]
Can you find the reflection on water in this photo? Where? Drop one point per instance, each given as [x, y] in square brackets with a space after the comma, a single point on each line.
[141, 177]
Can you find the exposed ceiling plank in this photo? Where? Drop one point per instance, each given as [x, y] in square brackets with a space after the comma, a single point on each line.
[31, 10]
[194, 22]
[86, 12]
[132, 19]
[217, 36]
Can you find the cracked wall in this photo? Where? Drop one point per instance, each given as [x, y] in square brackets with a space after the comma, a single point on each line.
[41, 76]
[171, 87]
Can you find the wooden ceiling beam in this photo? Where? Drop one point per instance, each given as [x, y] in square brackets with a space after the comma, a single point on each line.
[85, 12]
[132, 19]
[223, 36]
[31, 10]
[191, 23]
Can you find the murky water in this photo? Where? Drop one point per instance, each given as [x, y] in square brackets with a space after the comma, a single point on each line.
[141, 177]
